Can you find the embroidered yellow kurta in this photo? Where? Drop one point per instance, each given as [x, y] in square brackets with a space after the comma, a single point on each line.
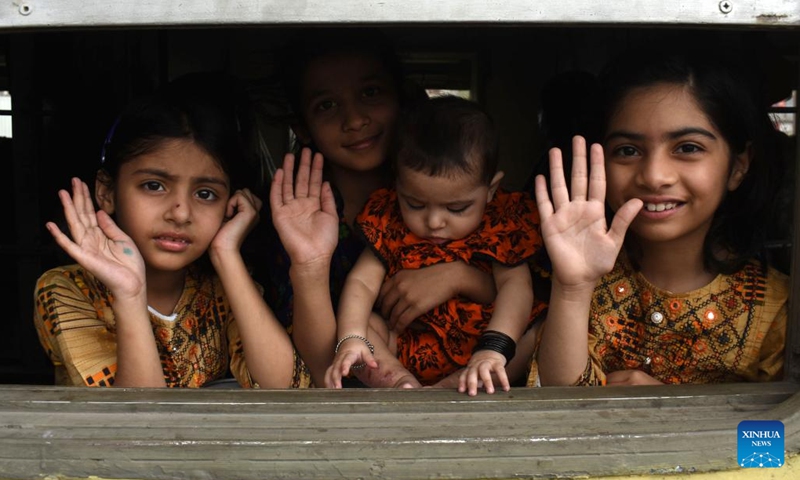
[731, 330]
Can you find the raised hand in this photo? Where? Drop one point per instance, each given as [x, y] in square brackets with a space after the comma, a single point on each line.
[98, 244]
[579, 243]
[241, 216]
[304, 214]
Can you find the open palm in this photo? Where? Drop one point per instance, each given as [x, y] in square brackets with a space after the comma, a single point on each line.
[304, 211]
[98, 244]
[580, 245]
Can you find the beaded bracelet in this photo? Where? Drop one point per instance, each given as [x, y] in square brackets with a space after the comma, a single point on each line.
[363, 339]
[497, 342]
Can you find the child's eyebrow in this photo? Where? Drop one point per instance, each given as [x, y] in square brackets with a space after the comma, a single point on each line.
[372, 77]
[624, 135]
[627, 135]
[316, 94]
[168, 176]
[212, 180]
[691, 131]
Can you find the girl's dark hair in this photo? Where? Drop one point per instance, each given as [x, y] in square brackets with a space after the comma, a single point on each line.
[730, 100]
[209, 109]
[310, 45]
[447, 135]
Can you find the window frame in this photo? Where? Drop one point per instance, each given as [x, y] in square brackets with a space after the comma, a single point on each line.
[161, 433]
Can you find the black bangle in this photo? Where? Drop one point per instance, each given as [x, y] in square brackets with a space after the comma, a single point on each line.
[497, 342]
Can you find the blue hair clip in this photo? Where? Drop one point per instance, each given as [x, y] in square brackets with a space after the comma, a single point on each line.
[107, 141]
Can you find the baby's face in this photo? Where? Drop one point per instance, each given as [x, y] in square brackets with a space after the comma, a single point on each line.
[441, 208]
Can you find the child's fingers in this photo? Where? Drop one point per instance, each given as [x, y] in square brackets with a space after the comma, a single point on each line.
[623, 218]
[597, 176]
[401, 319]
[76, 226]
[69, 207]
[77, 197]
[558, 183]
[332, 377]
[287, 188]
[303, 174]
[369, 360]
[463, 380]
[347, 361]
[542, 197]
[61, 239]
[485, 374]
[315, 181]
[502, 378]
[580, 177]
[110, 228]
[275, 190]
[84, 208]
[252, 198]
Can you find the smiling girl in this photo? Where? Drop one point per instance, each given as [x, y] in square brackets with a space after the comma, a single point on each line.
[346, 89]
[691, 175]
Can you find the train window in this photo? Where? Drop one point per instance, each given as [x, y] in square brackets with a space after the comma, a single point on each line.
[70, 66]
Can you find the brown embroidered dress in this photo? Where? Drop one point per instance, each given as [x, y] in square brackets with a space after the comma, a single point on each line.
[731, 330]
[441, 341]
[76, 326]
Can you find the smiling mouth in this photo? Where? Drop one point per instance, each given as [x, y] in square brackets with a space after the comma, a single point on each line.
[363, 144]
[660, 207]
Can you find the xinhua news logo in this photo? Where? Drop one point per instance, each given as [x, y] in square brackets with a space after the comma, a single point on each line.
[760, 444]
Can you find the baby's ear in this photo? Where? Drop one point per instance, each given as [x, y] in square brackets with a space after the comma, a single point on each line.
[494, 185]
[740, 167]
[104, 192]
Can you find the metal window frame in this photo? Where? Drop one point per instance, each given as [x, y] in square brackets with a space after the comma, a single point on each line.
[367, 433]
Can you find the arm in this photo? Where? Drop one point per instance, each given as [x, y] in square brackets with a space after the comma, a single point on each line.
[511, 315]
[104, 250]
[306, 220]
[358, 297]
[582, 249]
[411, 293]
[266, 344]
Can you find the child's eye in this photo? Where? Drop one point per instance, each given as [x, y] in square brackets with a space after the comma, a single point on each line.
[153, 186]
[688, 148]
[371, 91]
[458, 209]
[206, 194]
[625, 151]
[414, 206]
[324, 106]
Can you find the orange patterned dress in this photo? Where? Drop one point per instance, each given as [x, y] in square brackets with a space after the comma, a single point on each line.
[75, 322]
[731, 330]
[441, 341]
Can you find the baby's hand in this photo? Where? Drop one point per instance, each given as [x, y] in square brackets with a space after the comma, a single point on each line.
[98, 244]
[580, 246]
[481, 366]
[304, 214]
[241, 215]
[352, 353]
